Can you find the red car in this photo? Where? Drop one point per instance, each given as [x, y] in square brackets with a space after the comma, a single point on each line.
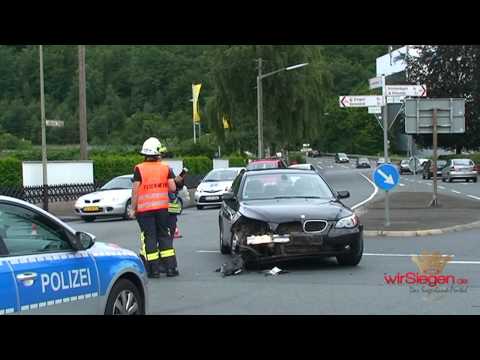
[267, 164]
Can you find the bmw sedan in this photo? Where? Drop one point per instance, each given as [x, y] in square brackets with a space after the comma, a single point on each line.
[214, 185]
[282, 214]
[46, 267]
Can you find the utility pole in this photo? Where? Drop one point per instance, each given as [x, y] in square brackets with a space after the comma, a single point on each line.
[44, 134]
[82, 103]
[260, 109]
[385, 148]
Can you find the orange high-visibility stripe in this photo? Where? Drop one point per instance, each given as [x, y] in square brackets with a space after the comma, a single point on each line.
[153, 190]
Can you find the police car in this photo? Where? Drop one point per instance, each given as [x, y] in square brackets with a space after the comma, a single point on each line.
[46, 267]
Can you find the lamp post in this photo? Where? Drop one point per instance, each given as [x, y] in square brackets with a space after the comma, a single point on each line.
[260, 77]
[44, 136]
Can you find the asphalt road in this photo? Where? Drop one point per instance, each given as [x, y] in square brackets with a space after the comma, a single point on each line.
[310, 287]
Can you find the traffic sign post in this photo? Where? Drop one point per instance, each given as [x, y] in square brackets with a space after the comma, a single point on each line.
[386, 177]
[435, 116]
[406, 90]
[361, 101]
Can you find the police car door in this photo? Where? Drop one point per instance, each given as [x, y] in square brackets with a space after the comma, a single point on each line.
[50, 277]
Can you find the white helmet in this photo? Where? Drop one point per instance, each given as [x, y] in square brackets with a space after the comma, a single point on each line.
[151, 147]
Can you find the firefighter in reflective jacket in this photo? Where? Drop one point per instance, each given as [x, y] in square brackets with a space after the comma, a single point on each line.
[152, 181]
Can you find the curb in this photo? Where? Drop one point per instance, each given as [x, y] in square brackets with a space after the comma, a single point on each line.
[414, 233]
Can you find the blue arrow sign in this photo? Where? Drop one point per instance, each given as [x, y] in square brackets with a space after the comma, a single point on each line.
[386, 177]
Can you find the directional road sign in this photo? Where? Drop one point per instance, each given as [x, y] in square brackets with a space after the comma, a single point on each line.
[406, 90]
[376, 82]
[54, 123]
[361, 101]
[386, 177]
[375, 110]
[450, 116]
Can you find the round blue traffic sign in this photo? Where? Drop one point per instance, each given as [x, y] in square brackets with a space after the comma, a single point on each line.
[386, 177]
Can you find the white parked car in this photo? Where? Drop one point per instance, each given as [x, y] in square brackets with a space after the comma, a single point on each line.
[214, 185]
[113, 200]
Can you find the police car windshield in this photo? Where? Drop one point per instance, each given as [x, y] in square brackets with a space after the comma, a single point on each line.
[118, 184]
[221, 175]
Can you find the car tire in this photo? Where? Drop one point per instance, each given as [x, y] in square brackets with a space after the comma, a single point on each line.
[88, 219]
[443, 179]
[225, 250]
[118, 299]
[423, 176]
[126, 214]
[474, 180]
[200, 207]
[353, 258]
[450, 180]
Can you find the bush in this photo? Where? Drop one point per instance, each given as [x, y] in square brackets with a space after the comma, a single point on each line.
[11, 142]
[107, 167]
[11, 170]
[299, 157]
[198, 165]
[237, 161]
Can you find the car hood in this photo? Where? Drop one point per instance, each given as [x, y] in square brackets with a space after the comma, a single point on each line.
[109, 249]
[286, 210]
[214, 186]
[107, 195]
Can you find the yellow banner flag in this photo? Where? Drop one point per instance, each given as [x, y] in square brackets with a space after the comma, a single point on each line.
[196, 93]
[226, 123]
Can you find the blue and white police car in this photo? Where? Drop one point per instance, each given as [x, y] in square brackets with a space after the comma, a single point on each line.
[46, 267]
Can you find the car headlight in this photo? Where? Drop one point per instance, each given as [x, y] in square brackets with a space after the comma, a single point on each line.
[348, 222]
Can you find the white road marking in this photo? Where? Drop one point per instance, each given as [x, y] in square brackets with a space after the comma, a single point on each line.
[208, 251]
[370, 197]
[455, 191]
[401, 185]
[460, 262]
[429, 184]
[474, 197]
[442, 187]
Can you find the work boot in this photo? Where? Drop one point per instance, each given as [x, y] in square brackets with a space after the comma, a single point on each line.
[172, 272]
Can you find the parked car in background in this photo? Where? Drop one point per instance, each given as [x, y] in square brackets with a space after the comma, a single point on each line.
[404, 167]
[363, 163]
[341, 158]
[266, 164]
[380, 161]
[214, 186]
[112, 200]
[47, 268]
[316, 153]
[459, 169]
[427, 172]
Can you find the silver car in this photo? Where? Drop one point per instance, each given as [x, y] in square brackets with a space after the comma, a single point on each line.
[46, 267]
[459, 169]
[214, 185]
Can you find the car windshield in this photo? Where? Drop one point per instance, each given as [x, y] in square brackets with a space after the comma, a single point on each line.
[262, 165]
[441, 163]
[283, 186]
[118, 184]
[342, 155]
[221, 175]
[463, 162]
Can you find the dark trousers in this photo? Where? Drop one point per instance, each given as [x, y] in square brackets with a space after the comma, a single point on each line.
[157, 244]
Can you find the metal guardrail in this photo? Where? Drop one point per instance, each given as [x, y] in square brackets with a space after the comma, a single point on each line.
[56, 193]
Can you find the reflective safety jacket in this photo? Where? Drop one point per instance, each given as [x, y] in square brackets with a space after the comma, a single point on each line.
[174, 207]
[153, 190]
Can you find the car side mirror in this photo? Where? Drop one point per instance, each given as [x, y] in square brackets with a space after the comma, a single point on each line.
[343, 194]
[228, 196]
[83, 241]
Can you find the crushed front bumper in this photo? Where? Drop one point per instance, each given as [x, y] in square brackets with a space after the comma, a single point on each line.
[302, 245]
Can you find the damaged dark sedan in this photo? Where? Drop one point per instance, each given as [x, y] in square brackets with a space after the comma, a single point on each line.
[283, 214]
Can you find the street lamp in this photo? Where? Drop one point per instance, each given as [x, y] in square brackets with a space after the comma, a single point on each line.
[260, 77]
